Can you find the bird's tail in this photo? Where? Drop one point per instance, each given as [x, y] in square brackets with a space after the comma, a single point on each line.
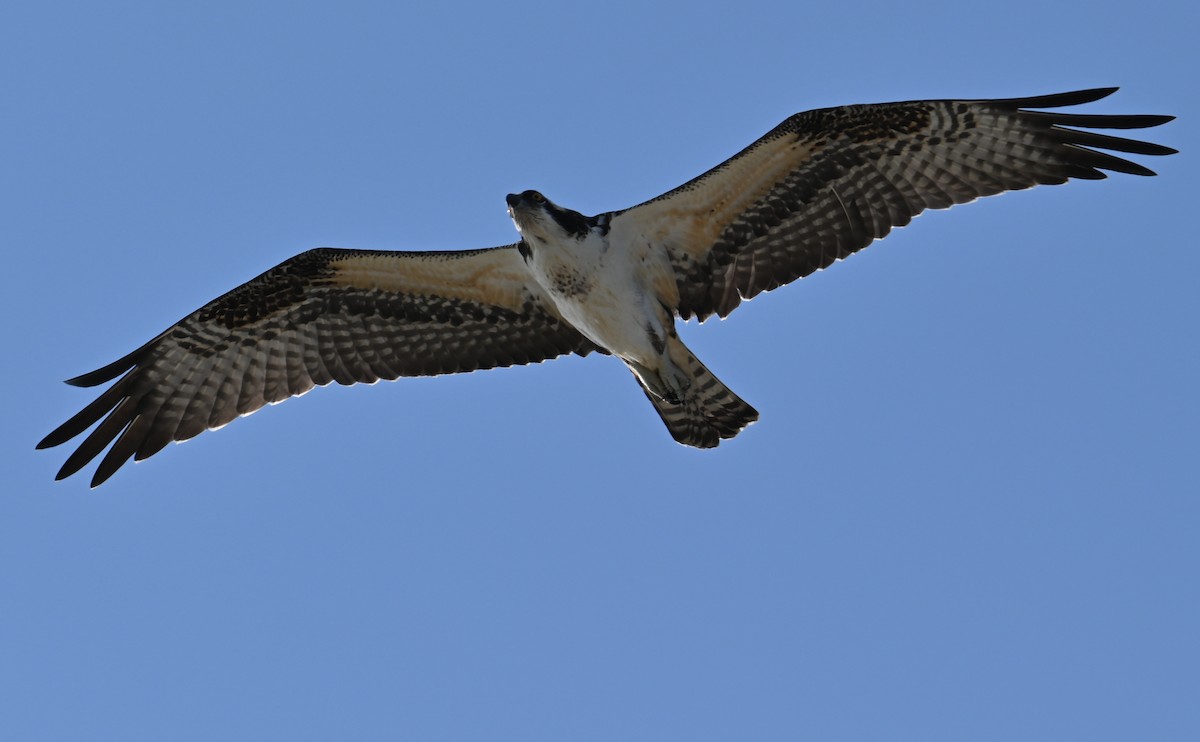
[698, 409]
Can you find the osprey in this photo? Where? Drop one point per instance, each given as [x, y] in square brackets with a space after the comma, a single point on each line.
[818, 187]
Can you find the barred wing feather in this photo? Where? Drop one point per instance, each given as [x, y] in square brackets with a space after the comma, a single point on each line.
[326, 315]
[826, 183]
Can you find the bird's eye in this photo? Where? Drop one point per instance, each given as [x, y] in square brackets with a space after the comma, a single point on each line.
[537, 198]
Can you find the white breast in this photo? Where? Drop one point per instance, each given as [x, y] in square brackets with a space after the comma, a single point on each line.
[600, 288]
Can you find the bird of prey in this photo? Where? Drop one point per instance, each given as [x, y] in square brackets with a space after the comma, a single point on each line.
[818, 187]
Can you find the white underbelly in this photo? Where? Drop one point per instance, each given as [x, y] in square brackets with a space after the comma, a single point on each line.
[616, 322]
[604, 291]
[612, 312]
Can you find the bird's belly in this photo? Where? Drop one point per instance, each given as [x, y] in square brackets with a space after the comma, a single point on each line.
[613, 320]
[601, 294]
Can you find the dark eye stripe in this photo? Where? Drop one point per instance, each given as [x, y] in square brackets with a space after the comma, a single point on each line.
[572, 222]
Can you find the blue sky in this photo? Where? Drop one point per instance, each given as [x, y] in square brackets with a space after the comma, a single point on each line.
[969, 510]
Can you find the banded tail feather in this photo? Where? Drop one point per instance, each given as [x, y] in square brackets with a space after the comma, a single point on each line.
[707, 411]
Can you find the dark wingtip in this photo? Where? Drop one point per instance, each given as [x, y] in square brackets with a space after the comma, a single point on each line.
[100, 477]
[89, 415]
[1158, 119]
[60, 435]
[1099, 92]
[1057, 100]
[117, 367]
[106, 373]
[72, 465]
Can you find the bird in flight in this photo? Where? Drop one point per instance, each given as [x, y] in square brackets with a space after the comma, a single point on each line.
[818, 187]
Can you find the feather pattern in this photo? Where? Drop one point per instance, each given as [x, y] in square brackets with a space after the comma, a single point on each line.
[815, 189]
[826, 183]
[324, 316]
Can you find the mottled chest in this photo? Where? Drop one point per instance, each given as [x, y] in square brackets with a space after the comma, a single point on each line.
[570, 269]
[568, 282]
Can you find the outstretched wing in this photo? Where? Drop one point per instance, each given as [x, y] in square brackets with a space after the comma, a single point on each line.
[325, 315]
[826, 183]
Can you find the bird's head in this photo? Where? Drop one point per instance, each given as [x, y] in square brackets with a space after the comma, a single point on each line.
[541, 221]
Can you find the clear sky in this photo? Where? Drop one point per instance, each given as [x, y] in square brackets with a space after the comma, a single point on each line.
[969, 511]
